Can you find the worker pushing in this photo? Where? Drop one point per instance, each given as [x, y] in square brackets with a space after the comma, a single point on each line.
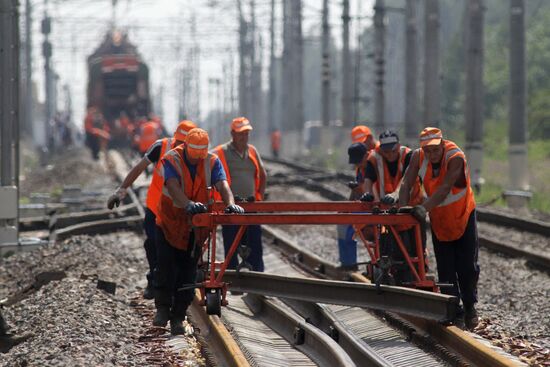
[153, 156]
[362, 143]
[384, 171]
[443, 169]
[247, 178]
[189, 171]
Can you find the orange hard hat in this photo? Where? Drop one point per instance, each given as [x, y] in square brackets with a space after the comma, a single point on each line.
[183, 129]
[196, 143]
[360, 133]
[240, 124]
[430, 136]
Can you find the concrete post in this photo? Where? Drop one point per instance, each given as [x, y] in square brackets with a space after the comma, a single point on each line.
[519, 173]
[474, 90]
[432, 110]
[411, 72]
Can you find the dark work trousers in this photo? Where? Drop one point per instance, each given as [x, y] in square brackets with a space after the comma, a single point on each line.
[252, 238]
[457, 263]
[149, 244]
[175, 268]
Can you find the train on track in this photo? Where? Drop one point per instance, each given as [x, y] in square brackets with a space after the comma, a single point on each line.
[118, 93]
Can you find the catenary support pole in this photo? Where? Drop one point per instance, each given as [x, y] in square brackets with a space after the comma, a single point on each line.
[411, 71]
[379, 50]
[272, 86]
[346, 67]
[473, 109]
[431, 63]
[519, 174]
[325, 66]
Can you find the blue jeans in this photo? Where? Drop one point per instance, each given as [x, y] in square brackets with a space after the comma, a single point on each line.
[347, 246]
[252, 237]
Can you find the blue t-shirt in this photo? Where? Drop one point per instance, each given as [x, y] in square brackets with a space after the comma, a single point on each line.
[218, 173]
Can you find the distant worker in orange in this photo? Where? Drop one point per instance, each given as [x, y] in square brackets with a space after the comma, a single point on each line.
[149, 132]
[443, 169]
[188, 171]
[275, 143]
[362, 134]
[153, 156]
[247, 178]
[97, 131]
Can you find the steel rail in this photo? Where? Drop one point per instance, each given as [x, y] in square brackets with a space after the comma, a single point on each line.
[73, 218]
[212, 331]
[508, 220]
[429, 305]
[308, 339]
[100, 227]
[321, 317]
[541, 259]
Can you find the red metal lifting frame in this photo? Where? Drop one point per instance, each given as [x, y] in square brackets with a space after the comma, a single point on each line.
[343, 212]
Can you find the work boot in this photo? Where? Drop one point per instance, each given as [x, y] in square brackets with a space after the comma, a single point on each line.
[176, 326]
[162, 316]
[162, 303]
[470, 317]
[149, 291]
[3, 326]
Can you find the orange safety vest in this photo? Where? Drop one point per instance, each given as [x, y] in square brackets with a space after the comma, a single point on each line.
[174, 221]
[450, 218]
[155, 188]
[385, 183]
[148, 135]
[253, 155]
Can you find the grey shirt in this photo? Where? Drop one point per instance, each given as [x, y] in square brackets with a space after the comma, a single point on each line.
[241, 170]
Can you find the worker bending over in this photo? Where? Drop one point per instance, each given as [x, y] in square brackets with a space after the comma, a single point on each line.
[358, 152]
[442, 167]
[247, 178]
[384, 172]
[152, 156]
[189, 171]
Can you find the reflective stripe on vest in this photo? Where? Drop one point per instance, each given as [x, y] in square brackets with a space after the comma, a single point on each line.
[155, 188]
[174, 221]
[450, 198]
[381, 170]
[207, 165]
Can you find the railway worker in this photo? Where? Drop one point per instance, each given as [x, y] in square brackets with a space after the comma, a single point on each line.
[362, 142]
[247, 178]
[97, 131]
[153, 155]
[443, 169]
[189, 170]
[386, 165]
[149, 132]
[275, 143]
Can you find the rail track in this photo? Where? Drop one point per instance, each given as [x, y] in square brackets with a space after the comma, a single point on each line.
[316, 331]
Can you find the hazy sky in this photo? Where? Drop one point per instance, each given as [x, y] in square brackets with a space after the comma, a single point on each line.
[161, 29]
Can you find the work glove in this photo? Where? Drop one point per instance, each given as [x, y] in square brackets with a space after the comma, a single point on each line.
[234, 209]
[388, 199]
[353, 184]
[419, 212]
[238, 199]
[367, 196]
[195, 208]
[116, 197]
